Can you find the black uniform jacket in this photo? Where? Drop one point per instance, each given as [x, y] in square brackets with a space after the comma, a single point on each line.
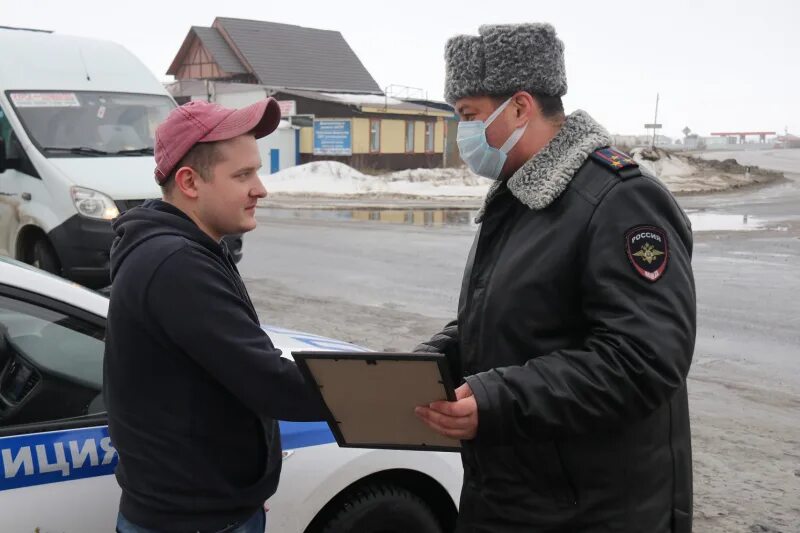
[575, 331]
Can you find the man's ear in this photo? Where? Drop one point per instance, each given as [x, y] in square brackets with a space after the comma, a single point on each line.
[526, 107]
[186, 179]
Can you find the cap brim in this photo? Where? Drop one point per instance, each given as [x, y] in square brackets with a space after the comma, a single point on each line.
[259, 119]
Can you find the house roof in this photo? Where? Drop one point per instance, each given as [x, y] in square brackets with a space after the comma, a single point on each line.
[219, 49]
[283, 56]
[371, 102]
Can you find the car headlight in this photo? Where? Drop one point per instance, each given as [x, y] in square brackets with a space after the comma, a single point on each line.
[94, 204]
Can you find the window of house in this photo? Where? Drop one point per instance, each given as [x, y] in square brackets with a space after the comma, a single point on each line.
[410, 136]
[374, 135]
[429, 131]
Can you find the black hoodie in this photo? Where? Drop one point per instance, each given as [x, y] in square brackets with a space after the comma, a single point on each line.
[193, 385]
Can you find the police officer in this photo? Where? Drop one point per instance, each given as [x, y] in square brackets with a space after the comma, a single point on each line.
[576, 321]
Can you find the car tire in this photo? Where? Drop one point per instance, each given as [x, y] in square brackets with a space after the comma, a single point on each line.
[382, 508]
[44, 257]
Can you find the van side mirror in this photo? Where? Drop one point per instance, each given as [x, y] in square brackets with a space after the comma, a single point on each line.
[3, 159]
[6, 162]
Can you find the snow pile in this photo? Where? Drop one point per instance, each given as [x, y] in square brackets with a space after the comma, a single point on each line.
[663, 164]
[453, 182]
[677, 173]
[319, 177]
[684, 174]
[443, 176]
[331, 178]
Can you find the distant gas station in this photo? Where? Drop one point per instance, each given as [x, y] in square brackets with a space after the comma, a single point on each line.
[743, 135]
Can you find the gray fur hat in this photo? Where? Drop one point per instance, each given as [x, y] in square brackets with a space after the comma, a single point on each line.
[504, 59]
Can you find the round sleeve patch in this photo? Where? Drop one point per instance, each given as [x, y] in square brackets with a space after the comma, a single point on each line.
[648, 251]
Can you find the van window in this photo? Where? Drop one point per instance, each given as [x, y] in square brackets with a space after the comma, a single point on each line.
[90, 124]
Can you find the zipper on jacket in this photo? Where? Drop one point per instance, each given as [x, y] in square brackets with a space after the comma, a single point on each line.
[571, 492]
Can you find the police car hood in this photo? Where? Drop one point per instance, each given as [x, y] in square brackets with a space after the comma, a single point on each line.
[289, 341]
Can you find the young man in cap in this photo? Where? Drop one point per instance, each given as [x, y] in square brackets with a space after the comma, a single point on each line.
[193, 385]
[576, 322]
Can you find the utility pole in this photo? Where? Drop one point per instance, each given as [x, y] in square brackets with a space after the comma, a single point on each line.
[655, 126]
[655, 121]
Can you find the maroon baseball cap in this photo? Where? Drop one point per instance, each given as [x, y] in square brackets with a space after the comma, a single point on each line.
[202, 122]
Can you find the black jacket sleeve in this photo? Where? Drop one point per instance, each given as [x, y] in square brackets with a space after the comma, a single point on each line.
[445, 342]
[200, 310]
[641, 338]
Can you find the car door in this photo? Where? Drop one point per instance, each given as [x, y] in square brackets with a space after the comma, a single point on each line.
[57, 459]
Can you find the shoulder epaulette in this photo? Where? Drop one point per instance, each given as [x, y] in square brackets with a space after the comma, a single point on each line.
[619, 162]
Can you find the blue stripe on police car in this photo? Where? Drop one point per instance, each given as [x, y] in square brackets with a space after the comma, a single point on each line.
[41, 458]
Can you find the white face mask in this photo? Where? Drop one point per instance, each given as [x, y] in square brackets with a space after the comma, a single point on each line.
[480, 157]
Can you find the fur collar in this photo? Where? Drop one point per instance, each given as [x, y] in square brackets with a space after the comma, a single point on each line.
[547, 174]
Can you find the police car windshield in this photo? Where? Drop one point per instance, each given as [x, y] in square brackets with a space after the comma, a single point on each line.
[90, 124]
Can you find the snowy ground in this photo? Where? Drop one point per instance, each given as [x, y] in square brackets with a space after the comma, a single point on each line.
[331, 179]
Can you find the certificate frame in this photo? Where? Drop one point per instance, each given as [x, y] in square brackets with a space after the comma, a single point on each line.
[393, 369]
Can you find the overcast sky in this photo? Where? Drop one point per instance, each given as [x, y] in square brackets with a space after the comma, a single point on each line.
[718, 65]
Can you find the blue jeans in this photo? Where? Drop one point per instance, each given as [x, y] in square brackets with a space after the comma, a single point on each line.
[255, 524]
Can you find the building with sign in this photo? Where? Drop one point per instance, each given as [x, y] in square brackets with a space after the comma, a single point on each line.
[336, 113]
[369, 132]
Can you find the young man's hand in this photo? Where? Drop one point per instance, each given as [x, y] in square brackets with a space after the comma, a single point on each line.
[457, 420]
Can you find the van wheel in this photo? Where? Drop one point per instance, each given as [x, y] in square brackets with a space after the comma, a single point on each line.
[379, 508]
[43, 256]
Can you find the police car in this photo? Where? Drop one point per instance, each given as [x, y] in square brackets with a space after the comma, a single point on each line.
[58, 461]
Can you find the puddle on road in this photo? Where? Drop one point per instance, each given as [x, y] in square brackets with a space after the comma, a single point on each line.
[412, 217]
[722, 222]
[701, 221]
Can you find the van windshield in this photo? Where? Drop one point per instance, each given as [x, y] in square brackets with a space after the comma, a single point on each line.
[90, 124]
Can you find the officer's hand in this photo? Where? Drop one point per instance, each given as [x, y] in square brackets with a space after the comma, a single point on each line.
[457, 420]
